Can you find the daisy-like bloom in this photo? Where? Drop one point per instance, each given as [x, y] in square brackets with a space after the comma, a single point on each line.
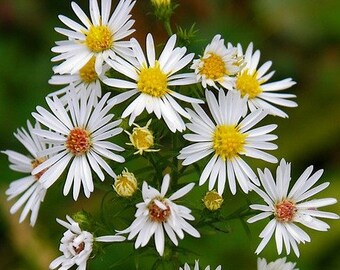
[151, 81]
[218, 64]
[252, 83]
[85, 80]
[197, 267]
[228, 138]
[142, 138]
[286, 209]
[125, 184]
[279, 264]
[76, 246]
[29, 187]
[158, 213]
[99, 37]
[79, 135]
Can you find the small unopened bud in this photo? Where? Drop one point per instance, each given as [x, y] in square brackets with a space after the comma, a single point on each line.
[142, 138]
[125, 184]
[163, 9]
[212, 200]
[161, 3]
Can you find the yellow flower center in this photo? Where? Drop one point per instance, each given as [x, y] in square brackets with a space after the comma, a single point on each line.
[212, 200]
[78, 141]
[88, 73]
[228, 142]
[158, 214]
[152, 81]
[142, 138]
[285, 211]
[247, 84]
[99, 38]
[35, 164]
[213, 67]
[125, 184]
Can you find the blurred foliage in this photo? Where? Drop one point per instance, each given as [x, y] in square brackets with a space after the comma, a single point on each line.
[301, 37]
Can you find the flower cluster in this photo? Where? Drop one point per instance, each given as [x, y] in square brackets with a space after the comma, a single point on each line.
[106, 78]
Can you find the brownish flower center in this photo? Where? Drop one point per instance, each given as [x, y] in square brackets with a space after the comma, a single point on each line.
[158, 214]
[79, 248]
[35, 164]
[78, 141]
[285, 211]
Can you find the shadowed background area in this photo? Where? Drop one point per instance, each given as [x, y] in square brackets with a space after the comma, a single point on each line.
[301, 37]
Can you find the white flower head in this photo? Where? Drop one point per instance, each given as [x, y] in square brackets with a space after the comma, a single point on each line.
[29, 187]
[79, 135]
[100, 36]
[152, 80]
[227, 138]
[287, 208]
[252, 83]
[85, 81]
[218, 64]
[77, 245]
[196, 267]
[279, 264]
[157, 214]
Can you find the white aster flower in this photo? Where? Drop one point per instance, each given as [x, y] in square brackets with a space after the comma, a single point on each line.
[79, 136]
[279, 264]
[252, 82]
[218, 64]
[101, 36]
[228, 138]
[158, 213]
[85, 81]
[151, 81]
[76, 246]
[288, 208]
[187, 267]
[29, 187]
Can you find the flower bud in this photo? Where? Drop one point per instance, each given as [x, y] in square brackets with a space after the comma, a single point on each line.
[212, 200]
[161, 3]
[125, 184]
[142, 138]
[163, 9]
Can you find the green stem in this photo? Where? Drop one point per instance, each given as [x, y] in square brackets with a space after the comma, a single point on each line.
[167, 27]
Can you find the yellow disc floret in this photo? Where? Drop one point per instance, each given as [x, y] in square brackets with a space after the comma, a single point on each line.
[125, 184]
[152, 81]
[213, 67]
[247, 84]
[212, 200]
[228, 141]
[99, 38]
[88, 73]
